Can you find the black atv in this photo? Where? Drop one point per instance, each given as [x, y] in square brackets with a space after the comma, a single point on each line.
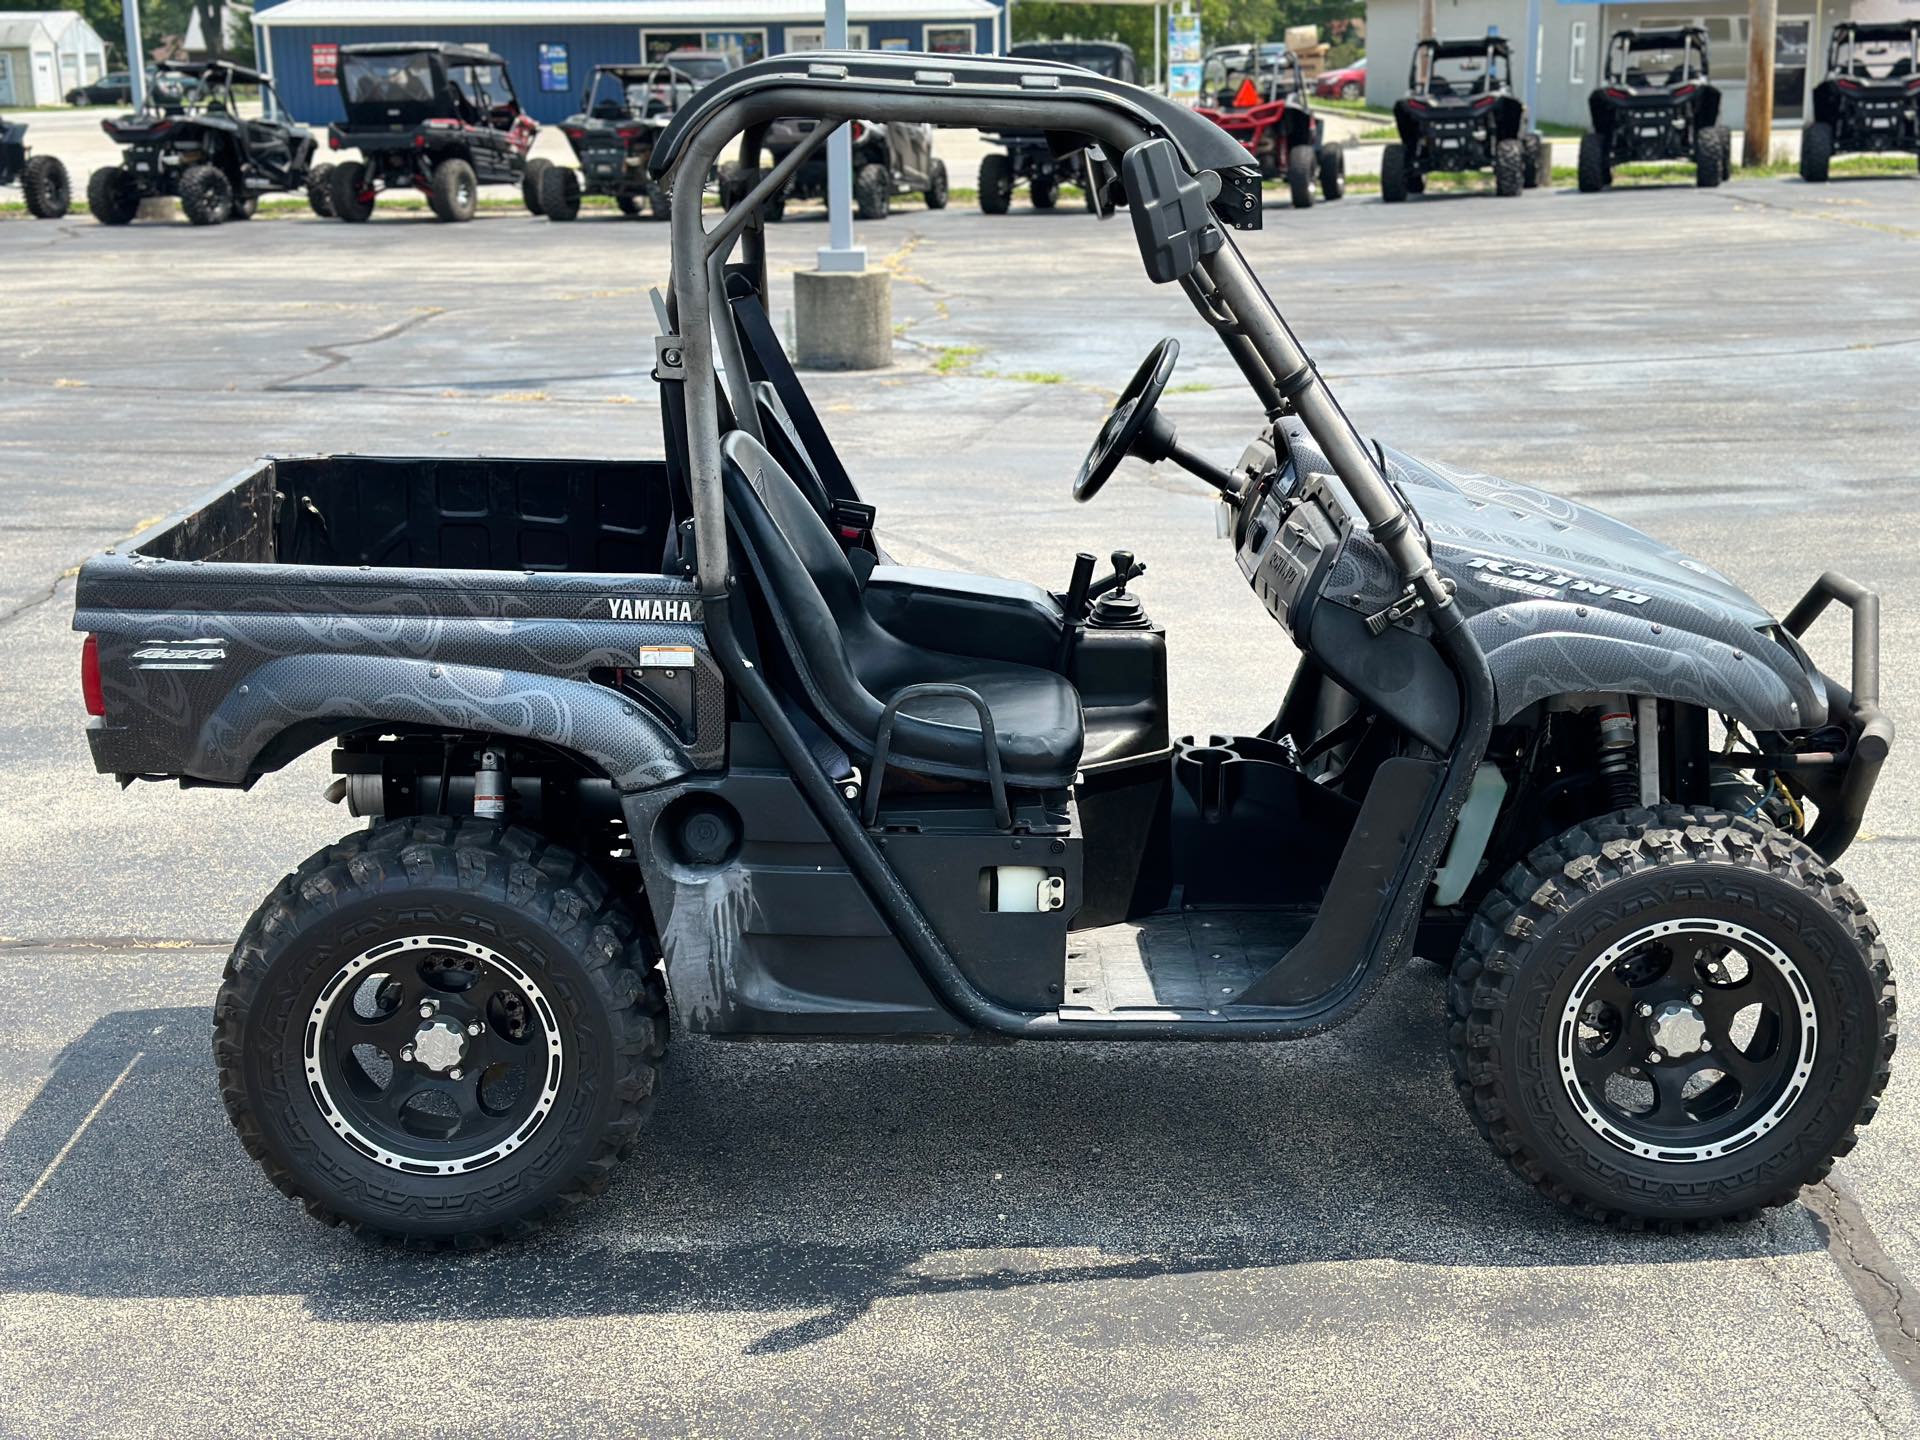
[1655, 103]
[1460, 113]
[888, 160]
[621, 115]
[190, 140]
[1258, 95]
[441, 119]
[1029, 156]
[42, 178]
[1868, 100]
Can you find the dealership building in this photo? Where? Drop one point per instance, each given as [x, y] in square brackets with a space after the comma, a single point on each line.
[551, 46]
[1573, 43]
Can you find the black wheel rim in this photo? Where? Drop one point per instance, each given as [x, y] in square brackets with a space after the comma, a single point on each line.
[1687, 1040]
[433, 1054]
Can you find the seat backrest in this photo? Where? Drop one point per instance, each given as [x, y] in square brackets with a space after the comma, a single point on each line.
[767, 361]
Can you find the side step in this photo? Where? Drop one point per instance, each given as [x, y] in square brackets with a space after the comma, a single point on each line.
[1186, 962]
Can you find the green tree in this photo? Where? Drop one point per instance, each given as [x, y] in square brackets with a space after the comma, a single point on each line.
[1222, 22]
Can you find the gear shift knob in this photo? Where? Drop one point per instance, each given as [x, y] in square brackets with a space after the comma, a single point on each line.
[1122, 567]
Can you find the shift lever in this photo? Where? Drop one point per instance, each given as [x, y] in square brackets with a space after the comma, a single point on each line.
[1125, 568]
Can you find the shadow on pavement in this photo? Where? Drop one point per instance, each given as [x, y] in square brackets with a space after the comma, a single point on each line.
[827, 1179]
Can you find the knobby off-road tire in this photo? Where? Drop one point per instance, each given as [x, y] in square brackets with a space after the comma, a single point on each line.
[1044, 191]
[936, 192]
[111, 196]
[1726, 151]
[1509, 168]
[873, 191]
[530, 192]
[1533, 149]
[451, 910]
[1333, 172]
[320, 191]
[1593, 164]
[453, 194]
[996, 184]
[245, 207]
[45, 187]
[1816, 152]
[350, 196]
[1393, 174]
[560, 193]
[1750, 915]
[1301, 163]
[1708, 163]
[206, 198]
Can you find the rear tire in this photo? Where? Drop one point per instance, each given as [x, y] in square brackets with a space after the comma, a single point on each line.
[1333, 172]
[873, 191]
[1044, 192]
[319, 193]
[936, 192]
[1509, 168]
[1816, 152]
[660, 202]
[1726, 151]
[206, 197]
[1593, 164]
[559, 193]
[1393, 174]
[45, 187]
[1301, 163]
[111, 196]
[996, 184]
[453, 193]
[530, 184]
[1537, 1026]
[351, 194]
[532, 969]
[1708, 163]
[245, 207]
[1534, 150]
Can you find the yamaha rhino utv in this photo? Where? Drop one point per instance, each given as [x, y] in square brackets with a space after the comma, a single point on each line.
[658, 745]
[42, 178]
[1029, 154]
[622, 113]
[441, 119]
[1460, 113]
[1655, 103]
[190, 140]
[1258, 95]
[1870, 100]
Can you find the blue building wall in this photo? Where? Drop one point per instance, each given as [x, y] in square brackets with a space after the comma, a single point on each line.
[291, 49]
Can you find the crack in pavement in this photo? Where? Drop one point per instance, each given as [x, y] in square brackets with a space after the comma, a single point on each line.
[18, 945]
[1879, 1285]
[331, 359]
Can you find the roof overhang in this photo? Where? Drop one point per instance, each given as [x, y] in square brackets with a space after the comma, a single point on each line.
[443, 14]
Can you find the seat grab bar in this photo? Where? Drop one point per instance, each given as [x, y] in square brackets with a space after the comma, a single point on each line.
[883, 742]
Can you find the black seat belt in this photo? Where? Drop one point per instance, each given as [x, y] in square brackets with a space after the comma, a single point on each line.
[765, 357]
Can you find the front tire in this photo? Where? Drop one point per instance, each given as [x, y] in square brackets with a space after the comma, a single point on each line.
[873, 191]
[1671, 1018]
[1708, 163]
[351, 193]
[936, 192]
[414, 975]
[1333, 172]
[320, 191]
[1509, 168]
[1393, 174]
[996, 184]
[530, 192]
[1044, 192]
[560, 193]
[206, 197]
[1301, 164]
[1593, 164]
[1533, 150]
[453, 194]
[45, 187]
[112, 196]
[1816, 152]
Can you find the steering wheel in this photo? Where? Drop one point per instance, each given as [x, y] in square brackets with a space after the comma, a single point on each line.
[1127, 419]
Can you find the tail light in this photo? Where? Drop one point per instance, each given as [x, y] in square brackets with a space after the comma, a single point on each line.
[333, 141]
[1684, 91]
[859, 129]
[1484, 101]
[628, 132]
[1845, 84]
[1614, 92]
[90, 690]
[1418, 105]
[1247, 96]
[573, 134]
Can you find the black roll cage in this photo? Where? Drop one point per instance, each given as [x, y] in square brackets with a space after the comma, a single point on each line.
[1851, 33]
[1691, 41]
[1159, 148]
[1492, 47]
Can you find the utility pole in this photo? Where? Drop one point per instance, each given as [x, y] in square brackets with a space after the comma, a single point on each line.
[1761, 15]
[136, 52]
[1426, 20]
[1530, 57]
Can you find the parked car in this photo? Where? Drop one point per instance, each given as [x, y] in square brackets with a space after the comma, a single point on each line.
[189, 140]
[1870, 100]
[116, 87]
[1655, 102]
[441, 119]
[622, 113]
[1029, 156]
[42, 178]
[1257, 94]
[1349, 82]
[1460, 113]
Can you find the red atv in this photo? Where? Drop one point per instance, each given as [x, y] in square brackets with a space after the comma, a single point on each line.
[1258, 95]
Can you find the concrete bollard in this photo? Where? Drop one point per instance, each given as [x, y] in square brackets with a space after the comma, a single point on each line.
[843, 320]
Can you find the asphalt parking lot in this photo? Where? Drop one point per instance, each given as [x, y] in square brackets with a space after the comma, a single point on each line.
[1075, 1239]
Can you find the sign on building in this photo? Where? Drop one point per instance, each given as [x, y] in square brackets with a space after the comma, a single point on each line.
[1183, 57]
[326, 63]
[553, 67]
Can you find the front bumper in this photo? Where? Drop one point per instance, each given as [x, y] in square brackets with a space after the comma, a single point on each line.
[1841, 783]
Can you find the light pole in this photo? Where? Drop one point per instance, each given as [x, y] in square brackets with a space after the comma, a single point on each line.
[840, 253]
[136, 53]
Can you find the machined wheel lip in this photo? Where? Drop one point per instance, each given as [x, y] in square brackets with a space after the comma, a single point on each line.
[343, 984]
[1757, 946]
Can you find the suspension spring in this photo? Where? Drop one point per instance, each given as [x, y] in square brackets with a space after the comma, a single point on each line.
[1618, 761]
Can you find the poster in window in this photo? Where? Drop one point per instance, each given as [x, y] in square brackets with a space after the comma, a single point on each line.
[326, 63]
[553, 67]
[950, 39]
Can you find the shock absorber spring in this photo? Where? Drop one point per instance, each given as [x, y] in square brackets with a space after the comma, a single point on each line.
[1617, 759]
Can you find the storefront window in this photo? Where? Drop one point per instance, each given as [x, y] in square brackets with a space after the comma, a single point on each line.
[950, 39]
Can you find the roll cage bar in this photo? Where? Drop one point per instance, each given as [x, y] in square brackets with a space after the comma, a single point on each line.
[1851, 33]
[1182, 178]
[1691, 42]
[1493, 48]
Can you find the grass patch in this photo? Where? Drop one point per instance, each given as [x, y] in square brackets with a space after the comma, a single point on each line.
[953, 359]
[1358, 108]
[1675, 172]
[1031, 377]
[1192, 387]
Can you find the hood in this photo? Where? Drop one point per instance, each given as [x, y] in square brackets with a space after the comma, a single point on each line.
[1566, 599]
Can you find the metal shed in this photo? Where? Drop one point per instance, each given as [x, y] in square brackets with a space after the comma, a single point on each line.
[46, 53]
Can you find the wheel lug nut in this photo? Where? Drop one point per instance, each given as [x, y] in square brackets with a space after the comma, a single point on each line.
[1706, 1044]
[454, 1074]
[1644, 1008]
[1696, 998]
[474, 1028]
[1653, 1057]
[427, 1007]
[406, 1052]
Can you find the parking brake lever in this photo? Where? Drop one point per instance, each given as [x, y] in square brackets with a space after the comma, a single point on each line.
[1073, 607]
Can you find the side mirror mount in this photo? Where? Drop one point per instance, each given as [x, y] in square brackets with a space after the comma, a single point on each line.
[1171, 221]
[1097, 176]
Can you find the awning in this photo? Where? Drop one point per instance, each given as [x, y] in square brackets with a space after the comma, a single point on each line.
[406, 14]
